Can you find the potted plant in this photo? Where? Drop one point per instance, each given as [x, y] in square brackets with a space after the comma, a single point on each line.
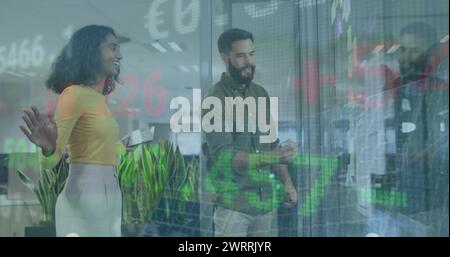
[176, 213]
[156, 185]
[140, 187]
[50, 184]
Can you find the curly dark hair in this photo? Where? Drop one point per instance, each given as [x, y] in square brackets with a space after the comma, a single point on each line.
[79, 61]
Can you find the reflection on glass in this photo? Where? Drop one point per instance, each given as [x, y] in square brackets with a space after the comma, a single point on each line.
[362, 90]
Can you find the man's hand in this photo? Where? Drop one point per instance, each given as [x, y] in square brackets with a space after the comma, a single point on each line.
[287, 152]
[291, 195]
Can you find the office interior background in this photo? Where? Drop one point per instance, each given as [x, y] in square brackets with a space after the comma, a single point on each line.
[331, 63]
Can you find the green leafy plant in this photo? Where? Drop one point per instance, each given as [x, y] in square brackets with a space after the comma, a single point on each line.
[156, 183]
[50, 184]
[152, 177]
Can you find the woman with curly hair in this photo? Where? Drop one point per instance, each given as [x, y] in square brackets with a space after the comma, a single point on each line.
[83, 74]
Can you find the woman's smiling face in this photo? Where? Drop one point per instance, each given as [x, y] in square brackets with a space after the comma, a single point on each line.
[110, 56]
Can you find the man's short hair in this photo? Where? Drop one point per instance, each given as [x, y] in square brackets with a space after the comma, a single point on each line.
[421, 30]
[228, 37]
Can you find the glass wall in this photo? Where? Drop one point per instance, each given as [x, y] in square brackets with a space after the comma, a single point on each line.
[362, 89]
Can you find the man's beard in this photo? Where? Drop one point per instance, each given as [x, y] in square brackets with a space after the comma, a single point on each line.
[414, 68]
[237, 76]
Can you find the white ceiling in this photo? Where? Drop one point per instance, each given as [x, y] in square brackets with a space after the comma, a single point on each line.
[25, 19]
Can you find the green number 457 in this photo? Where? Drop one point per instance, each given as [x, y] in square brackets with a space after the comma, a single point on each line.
[220, 180]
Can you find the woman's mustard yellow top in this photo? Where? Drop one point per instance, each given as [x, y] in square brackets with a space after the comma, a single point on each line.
[86, 126]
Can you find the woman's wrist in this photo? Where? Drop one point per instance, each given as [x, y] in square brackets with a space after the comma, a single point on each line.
[48, 151]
